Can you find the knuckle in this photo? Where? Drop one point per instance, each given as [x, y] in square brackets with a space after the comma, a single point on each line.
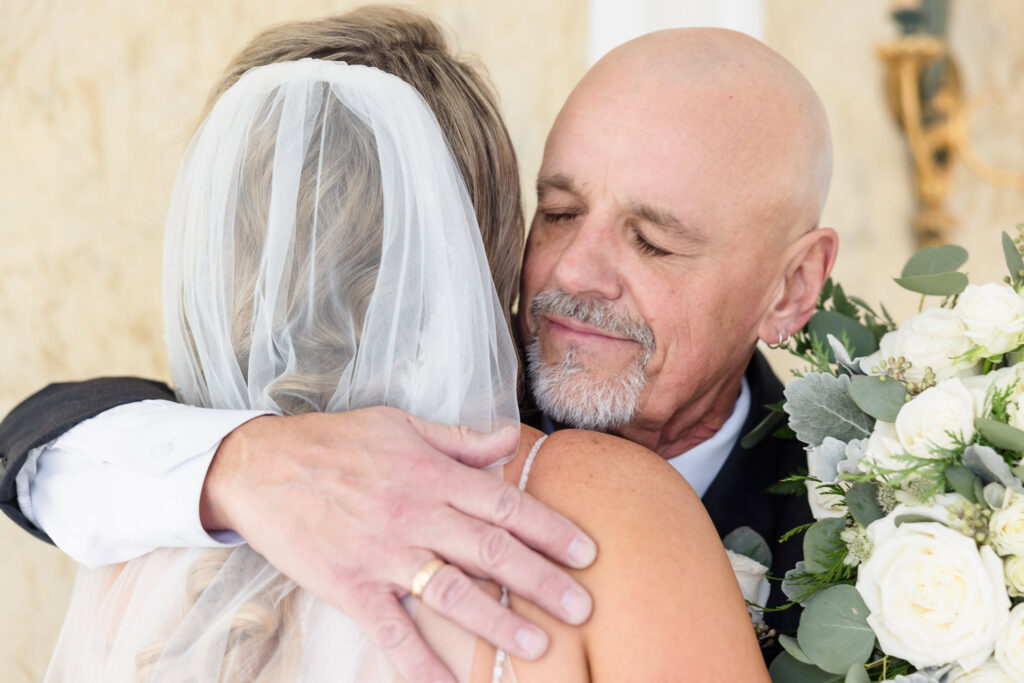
[392, 631]
[452, 588]
[509, 505]
[495, 548]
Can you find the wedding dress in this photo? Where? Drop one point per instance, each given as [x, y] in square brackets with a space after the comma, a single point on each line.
[321, 254]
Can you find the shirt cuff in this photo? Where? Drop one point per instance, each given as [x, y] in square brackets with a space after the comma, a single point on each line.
[129, 481]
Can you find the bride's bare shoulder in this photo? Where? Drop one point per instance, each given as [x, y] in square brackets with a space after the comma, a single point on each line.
[578, 466]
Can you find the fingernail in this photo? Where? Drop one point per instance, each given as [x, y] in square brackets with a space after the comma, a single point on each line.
[576, 604]
[582, 552]
[531, 641]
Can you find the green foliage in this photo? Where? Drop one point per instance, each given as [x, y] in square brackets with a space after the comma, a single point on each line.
[856, 338]
[933, 270]
[963, 481]
[1014, 262]
[850, 320]
[787, 669]
[822, 545]
[834, 632]
[790, 486]
[769, 425]
[862, 502]
[879, 397]
[935, 260]
[1001, 435]
[820, 405]
[746, 541]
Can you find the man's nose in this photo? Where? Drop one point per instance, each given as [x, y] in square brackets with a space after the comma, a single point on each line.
[588, 264]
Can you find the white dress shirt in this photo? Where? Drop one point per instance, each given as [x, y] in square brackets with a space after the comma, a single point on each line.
[128, 481]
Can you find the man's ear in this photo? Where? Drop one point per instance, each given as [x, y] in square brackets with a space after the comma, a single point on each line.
[808, 261]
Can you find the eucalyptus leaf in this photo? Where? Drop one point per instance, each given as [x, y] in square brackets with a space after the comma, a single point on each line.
[787, 669]
[857, 674]
[822, 538]
[963, 481]
[1014, 262]
[746, 541]
[834, 631]
[790, 645]
[1001, 434]
[990, 466]
[932, 260]
[942, 284]
[858, 338]
[993, 494]
[911, 518]
[862, 502]
[819, 405]
[979, 492]
[879, 397]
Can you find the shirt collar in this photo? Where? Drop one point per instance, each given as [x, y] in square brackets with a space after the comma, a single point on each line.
[700, 465]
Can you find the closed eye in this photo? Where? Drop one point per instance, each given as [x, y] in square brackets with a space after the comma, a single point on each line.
[553, 217]
[646, 247]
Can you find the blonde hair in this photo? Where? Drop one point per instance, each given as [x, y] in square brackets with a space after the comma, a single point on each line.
[263, 633]
[412, 47]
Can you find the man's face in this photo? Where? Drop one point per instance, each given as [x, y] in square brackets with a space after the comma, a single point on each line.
[647, 269]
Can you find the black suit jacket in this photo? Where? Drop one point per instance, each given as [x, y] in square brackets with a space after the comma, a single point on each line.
[736, 497]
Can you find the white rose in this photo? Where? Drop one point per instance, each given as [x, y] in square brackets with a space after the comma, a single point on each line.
[753, 579]
[1010, 380]
[931, 339]
[1006, 527]
[883, 450]
[823, 466]
[994, 316]
[1010, 644]
[933, 415]
[1013, 572]
[989, 672]
[823, 504]
[934, 597]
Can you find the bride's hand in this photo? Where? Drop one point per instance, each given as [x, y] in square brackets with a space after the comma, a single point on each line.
[352, 505]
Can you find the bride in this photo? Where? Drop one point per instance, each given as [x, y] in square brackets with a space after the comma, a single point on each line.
[322, 254]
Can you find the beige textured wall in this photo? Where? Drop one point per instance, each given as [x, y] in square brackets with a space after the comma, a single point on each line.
[97, 99]
[871, 203]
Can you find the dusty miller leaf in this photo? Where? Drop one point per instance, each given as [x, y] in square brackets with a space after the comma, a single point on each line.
[819, 405]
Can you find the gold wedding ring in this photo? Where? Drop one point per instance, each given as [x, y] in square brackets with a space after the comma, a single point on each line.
[424, 575]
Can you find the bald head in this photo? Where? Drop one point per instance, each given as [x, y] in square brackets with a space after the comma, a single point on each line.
[677, 196]
[749, 121]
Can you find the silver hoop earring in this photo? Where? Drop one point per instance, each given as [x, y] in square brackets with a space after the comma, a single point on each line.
[783, 342]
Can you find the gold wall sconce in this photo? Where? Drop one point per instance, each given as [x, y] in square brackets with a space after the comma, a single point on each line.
[925, 95]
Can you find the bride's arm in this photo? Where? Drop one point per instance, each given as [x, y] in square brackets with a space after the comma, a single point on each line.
[666, 603]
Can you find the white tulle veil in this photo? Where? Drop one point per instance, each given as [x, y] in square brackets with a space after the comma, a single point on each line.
[321, 254]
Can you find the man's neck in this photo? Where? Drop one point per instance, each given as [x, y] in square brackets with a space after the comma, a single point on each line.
[690, 426]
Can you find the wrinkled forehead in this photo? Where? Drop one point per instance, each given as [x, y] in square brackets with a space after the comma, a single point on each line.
[712, 155]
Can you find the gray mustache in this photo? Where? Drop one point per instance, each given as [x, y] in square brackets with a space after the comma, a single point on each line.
[596, 313]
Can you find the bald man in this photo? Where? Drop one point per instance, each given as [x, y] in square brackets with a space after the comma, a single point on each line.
[677, 224]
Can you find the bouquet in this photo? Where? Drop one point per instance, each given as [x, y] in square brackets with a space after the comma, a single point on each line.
[914, 569]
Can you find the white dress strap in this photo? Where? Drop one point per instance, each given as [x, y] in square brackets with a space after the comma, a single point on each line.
[500, 656]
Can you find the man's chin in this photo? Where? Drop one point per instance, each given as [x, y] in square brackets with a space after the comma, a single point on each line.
[569, 393]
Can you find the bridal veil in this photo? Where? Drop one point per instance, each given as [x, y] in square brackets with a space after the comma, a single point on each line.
[321, 254]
